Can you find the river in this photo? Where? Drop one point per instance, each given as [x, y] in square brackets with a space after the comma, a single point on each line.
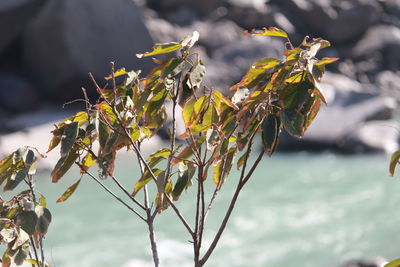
[300, 209]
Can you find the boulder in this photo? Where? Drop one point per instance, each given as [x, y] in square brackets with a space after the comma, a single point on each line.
[14, 17]
[350, 106]
[201, 8]
[383, 40]
[70, 38]
[389, 83]
[374, 262]
[17, 94]
[338, 21]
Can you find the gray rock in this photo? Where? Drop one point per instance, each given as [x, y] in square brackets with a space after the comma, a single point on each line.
[374, 262]
[383, 40]
[389, 83]
[214, 35]
[350, 106]
[231, 62]
[70, 38]
[202, 8]
[14, 17]
[338, 21]
[17, 94]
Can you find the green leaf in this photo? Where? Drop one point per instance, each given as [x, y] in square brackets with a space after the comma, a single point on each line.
[27, 220]
[393, 162]
[117, 73]
[295, 95]
[5, 168]
[293, 122]
[172, 68]
[188, 151]
[21, 254]
[63, 165]
[223, 167]
[220, 98]
[106, 164]
[44, 219]
[393, 263]
[161, 49]
[186, 172]
[88, 161]
[271, 31]
[68, 192]
[69, 137]
[102, 130]
[188, 112]
[186, 91]
[326, 60]
[196, 74]
[146, 177]
[16, 178]
[270, 133]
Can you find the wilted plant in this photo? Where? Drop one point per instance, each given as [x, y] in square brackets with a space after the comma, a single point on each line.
[274, 94]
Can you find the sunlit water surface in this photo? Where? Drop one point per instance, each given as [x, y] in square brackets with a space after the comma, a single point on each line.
[307, 210]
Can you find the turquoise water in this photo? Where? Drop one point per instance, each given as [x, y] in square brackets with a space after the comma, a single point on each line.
[307, 210]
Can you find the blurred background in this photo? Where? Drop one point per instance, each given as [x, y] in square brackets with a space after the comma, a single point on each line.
[335, 205]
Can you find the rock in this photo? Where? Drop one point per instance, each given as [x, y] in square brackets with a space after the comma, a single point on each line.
[162, 31]
[338, 21]
[14, 17]
[350, 106]
[70, 38]
[201, 8]
[17, 94]
[374, 262]
[389, 83]
[372, 136]
[214, 35]
[234, 59]
[383, 40]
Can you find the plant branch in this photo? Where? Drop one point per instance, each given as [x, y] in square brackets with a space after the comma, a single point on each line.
[239, 187]
[112, 193]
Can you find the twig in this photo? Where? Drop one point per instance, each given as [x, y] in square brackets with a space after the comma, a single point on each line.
[111, 193]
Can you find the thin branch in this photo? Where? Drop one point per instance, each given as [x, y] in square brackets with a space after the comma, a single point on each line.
[240, 185]
[185, 223]
[111, 193]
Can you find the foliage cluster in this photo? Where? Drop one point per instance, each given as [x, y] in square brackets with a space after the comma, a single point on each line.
[274, 94]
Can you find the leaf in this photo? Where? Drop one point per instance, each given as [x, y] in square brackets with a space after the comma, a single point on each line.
[223, 167]
[21, 254]
[68, 192]
[172, 68]
[186, 172]
[5, 168]
[69, 137]
[394, 160]
[220, 98]
[44, 219]
[63, 165]
[102, 131]
[106, 164]
[270, 133]
[188, 151]
[146, 177]
[326, 60]
[161, 49]
[27, 220]
[190, 40]
[240, 95]
[393, 263]
[188, 112]
[292, 122]
[88, 161]
[295, 95]
[186, 91]
[271, 31]
[196, 74]
[16, 178]
[117, 73]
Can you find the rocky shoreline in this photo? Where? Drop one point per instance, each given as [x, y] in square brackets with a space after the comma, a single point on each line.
[45, 57]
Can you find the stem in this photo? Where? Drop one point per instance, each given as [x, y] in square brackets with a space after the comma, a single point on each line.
[242, 181]
[152, 237]
[35, 252]
[111, 193]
